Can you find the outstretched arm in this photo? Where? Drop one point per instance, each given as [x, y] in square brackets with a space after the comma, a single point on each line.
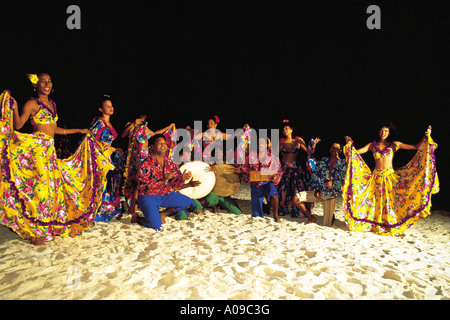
[59, 130]
[400, 145]
[364, 149]
[361, 150]
[172, 125]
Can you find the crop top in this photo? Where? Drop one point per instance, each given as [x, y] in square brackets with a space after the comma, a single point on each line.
[388, 152]
[45, 115]
[294, 149]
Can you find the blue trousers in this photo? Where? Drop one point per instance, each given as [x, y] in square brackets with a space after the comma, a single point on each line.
[150, 204]
[267, 189]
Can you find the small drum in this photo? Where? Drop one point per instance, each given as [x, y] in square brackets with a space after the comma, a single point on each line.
[227, 182]
[258, 176]
[200, 172]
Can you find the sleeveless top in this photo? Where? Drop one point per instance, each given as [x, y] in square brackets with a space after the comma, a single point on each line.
[388, 152]
[102, 132]
[294, 149]
[45, 115]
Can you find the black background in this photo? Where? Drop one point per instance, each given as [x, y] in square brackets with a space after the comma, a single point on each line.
[313, 62]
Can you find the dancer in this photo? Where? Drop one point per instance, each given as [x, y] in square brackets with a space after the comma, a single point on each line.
[157, 176]
[138, 134]
[384, 201]
[264, 162]
[44, 196]
[105, 133]
[213, 141]
[293, 180]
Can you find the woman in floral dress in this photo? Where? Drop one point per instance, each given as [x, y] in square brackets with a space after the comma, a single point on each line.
[138, 134]
[44, 196]
[105, 133]
[293, 180]
[387, 201]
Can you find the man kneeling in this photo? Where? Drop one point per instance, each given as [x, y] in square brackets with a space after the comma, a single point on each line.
[157, 176]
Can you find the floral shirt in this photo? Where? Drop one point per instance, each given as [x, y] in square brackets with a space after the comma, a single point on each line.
[150, 176]
[321, 172]
[269, 163]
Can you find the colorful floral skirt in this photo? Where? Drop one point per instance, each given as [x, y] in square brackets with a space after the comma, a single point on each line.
[43, 196]
[292, 182]
[387, 202]
[111, 206]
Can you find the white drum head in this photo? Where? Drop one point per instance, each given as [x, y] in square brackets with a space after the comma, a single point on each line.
[199, 173]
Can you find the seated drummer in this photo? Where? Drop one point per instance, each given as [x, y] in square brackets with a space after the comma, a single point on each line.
[265, 162]
[157, 176]
[328, 174]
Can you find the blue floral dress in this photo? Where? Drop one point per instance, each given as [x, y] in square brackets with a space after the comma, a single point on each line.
[111, 206]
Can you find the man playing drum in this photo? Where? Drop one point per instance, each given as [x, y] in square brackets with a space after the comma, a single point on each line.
[157, 177]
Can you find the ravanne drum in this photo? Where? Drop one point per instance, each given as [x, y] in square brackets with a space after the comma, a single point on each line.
[200, 172]
[260, 176]
[227, 182]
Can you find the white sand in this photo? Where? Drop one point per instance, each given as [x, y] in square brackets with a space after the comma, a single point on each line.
[223, 256]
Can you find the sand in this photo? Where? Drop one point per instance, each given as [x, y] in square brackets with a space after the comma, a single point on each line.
[223, 256]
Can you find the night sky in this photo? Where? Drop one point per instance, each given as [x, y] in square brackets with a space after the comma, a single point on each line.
[312, 62]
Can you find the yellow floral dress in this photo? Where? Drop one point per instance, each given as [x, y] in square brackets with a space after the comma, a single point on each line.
[387, 202]
[42, 196]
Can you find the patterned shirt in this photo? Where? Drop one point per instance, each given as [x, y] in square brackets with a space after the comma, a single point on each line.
[269, 163]
[321, 172]
[150, 176]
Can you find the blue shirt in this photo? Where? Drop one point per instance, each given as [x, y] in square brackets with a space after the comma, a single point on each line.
[321, 172]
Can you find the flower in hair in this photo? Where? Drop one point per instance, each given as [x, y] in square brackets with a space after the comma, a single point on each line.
[33, 78]
[216, 119]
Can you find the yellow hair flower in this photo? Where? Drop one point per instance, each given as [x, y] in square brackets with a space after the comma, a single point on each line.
[33, 78]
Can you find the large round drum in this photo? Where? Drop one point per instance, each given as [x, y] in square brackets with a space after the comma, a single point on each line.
[200, 172]
[227, 182]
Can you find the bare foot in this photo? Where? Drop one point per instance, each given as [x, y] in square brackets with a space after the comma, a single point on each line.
[164, 214]
[37, 241]
[140, 220]
[134, 216]
[277, 219]
[312, 219]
